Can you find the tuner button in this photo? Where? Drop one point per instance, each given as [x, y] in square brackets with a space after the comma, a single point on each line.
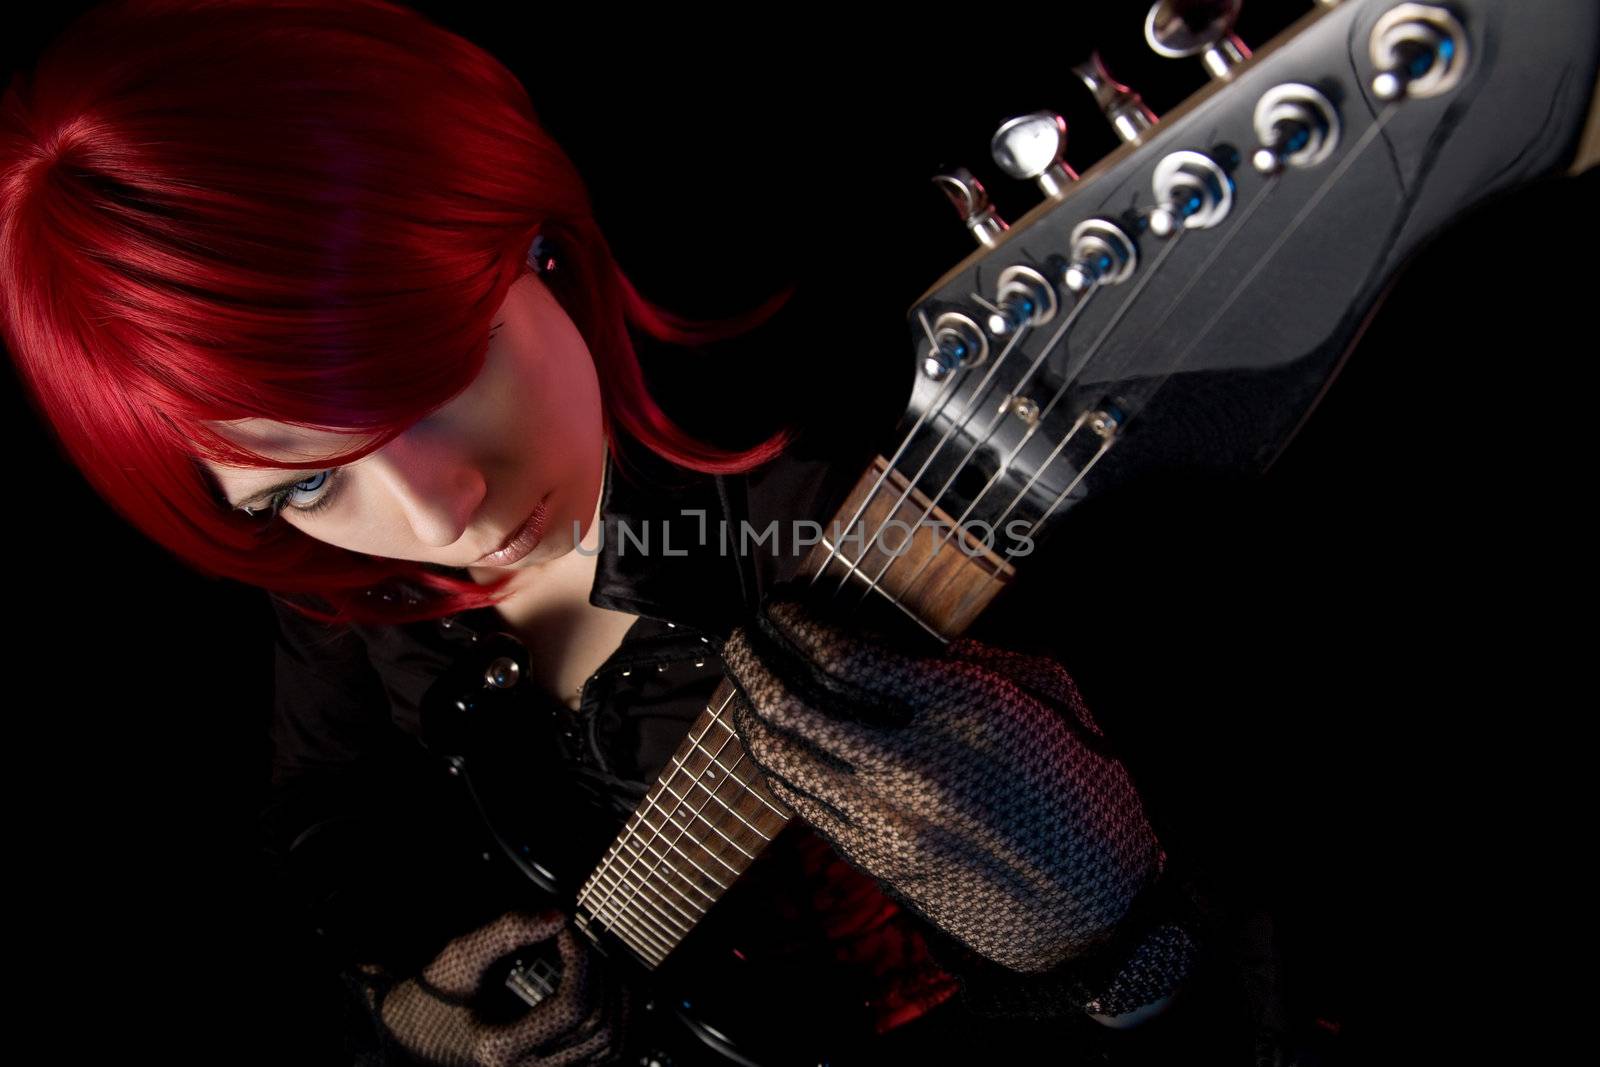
[1032, 146]
[1296, 125]
[1181, 28]
[1122, 107]
[1420, 50]
[971, 201]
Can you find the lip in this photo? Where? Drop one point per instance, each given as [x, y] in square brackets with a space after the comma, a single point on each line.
[524, 540]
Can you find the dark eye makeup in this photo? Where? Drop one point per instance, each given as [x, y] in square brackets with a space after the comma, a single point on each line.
[282, 499]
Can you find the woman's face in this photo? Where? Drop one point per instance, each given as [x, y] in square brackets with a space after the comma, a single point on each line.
[456, 485]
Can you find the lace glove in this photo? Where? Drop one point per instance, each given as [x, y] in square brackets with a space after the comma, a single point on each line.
[970, 781]
[432, 1016]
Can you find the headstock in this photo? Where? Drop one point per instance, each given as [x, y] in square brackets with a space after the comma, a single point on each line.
[1183, 303]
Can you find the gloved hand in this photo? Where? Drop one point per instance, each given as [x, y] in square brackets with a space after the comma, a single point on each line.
[431, 1017]
[970, 781]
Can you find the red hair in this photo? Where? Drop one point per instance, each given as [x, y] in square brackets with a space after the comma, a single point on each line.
[302, 211]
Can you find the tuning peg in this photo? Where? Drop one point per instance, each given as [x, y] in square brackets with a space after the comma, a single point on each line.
[1296, 125]
[1023, 297]
[1192, 191]
[1420, 50]
[1180, 28]
[1102, 254]
[1032, 146]
[971, 201]
[1123, 107]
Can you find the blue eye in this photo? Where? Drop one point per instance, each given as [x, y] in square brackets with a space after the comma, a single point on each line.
[288, 498]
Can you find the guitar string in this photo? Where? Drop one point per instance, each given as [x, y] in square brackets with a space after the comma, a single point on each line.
[930, 411]
[715, 720]
[598, 908]
[1235, 227]
[979, 394]
[1069, 378]
[1348, 160]
[1049, 347]
[683, 829]
[632, 832]
[910, 436]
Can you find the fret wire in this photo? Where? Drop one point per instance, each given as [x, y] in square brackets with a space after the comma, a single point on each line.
[911, 582]
[636, 819]
[995, 421]
[695, 779]
[668, 936]
[852, 570]
[730, 811]
[978, 393]
[932, 410]
[644, 952]
[760, 794]
[722, 746]
[729, 774]
[700, 912]
[599, 880]
[628, 831]
[628, 936]
[644, 847]
[657, 944]
[667, 921]
[684, 831]
[661, 859]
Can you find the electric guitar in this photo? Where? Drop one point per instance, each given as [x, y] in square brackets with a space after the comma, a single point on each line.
[1181, 305]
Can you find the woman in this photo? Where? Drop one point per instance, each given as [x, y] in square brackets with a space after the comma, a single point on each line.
[354, 337]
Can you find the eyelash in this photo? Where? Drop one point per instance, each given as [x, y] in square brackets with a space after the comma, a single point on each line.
[279, 500]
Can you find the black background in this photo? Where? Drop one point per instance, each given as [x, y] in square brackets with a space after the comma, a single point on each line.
[1377, 649]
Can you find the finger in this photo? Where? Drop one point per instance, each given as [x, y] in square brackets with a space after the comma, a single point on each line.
[1039, 676]
[799, 708]
[603, 1033]
[561, 1019]
[459, 967]
[797, 767]
[837, 671]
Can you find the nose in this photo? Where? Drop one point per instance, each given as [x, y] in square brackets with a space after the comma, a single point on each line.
[438, 487]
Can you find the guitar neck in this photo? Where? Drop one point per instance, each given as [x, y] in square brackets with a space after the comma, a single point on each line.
[709, 813]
